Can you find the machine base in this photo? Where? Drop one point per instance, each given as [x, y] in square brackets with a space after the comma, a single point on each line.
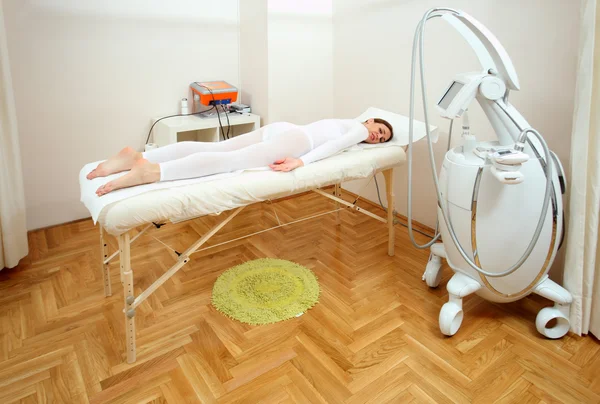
[461, 285]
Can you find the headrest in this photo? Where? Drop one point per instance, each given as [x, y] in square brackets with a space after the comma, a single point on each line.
[400, 125]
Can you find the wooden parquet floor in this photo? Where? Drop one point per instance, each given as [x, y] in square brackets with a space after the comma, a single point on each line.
[373, 337]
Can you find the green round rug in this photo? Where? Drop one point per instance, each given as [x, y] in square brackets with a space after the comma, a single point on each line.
[265, 291]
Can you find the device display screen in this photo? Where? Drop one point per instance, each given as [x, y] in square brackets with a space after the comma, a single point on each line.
[450, 94]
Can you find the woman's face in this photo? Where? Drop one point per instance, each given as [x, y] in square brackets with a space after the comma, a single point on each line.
[378, 132]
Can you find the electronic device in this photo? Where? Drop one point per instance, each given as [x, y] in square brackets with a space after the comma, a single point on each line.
[214, 92]
[500, 214]
[459, 94]
[240, 108]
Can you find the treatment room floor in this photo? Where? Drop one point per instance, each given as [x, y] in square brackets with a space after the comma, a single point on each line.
[373, 336]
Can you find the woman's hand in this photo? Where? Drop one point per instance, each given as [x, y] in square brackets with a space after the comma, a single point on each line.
[286, 164]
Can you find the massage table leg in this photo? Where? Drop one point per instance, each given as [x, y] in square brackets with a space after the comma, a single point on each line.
[338, 194]
[126, 273]
[389, 190]
[105, 269]
[127, 279]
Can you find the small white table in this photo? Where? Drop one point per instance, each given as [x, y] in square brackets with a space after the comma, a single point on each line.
[195, 128]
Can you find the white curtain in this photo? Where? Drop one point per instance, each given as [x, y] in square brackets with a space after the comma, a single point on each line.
[13, 230]
[582, 261]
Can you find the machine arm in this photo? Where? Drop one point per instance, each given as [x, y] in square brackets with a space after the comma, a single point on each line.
[489, 50]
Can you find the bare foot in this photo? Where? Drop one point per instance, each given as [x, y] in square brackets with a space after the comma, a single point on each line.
[142, 172]
[121, 162]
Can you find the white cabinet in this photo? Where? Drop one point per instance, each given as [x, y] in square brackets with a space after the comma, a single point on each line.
[199, 129]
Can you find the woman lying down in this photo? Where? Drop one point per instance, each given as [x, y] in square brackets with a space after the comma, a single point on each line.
[281, 146]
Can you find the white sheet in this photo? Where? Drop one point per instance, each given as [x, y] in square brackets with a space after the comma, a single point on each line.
[400, 124]
[95, 204]
[186, 199]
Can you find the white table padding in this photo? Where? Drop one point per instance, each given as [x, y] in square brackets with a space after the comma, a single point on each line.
[125, 209]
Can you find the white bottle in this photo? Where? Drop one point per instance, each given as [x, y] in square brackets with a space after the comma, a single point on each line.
[184, 106]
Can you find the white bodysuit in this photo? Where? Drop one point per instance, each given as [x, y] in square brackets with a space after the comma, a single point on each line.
[260, 148]
[331, 136]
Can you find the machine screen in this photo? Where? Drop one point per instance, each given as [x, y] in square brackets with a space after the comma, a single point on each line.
[450, 94]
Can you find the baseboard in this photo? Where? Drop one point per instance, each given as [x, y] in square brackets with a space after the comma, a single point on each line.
[59, 224]
[401, 218]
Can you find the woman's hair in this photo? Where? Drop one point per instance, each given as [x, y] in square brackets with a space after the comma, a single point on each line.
[386, 123]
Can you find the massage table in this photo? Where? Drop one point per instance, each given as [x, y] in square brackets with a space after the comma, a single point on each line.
[121, 211]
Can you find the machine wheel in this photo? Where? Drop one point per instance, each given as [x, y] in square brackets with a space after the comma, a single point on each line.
[433, 273]
[548, 314]
[451, 317]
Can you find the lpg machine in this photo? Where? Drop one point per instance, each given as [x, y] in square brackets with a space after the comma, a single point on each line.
[500, 210]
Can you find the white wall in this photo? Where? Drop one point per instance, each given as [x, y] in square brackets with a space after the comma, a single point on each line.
[286, 59]
[89, 76]
[300, 37]
[372, 59]
[254, 56]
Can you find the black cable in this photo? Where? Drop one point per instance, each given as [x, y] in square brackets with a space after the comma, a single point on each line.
[215, 106]
[171, 116]
[228, 124]
[379, 196]
[385, 209]
[220, 124]
[382, 207]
